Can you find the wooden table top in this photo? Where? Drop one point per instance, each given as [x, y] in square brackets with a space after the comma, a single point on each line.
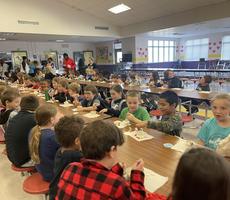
[184, 93]
[156, 157]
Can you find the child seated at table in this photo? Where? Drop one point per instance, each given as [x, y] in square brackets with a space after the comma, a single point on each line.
[200, 175]
[62, 94]
[134, 111]
[170, 122]
[202, 86]
[133, 80]
[54, 87]
[204, 83]
[43, 144]
[118, 102]
[10, 99]
[67, 132]
[155, 80]
[90, 72]
[116, 79]
[99, 175]
[17, 132]
[218, 127]
[92, 101]
[74, 93]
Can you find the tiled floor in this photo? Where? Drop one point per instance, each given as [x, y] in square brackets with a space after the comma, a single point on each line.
[11, 182]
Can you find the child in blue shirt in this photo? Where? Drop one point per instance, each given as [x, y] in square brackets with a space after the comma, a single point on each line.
[217, 128]
[43, 144]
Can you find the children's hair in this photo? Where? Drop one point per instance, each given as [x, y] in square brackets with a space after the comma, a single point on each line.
[43, 117]
[68, 129]
[9, 95]
[29, 103]
[98, 137]
[91, 88]
[201, 174]
[155, 76]
[170, 97]
[64, 83]
[56, 79]
[207, 79]
[223, 96]
[133, 93]
[115, 76]
[75, 87]
[118, 89]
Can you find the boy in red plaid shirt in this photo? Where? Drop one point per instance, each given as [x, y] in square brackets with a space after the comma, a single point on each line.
[99, 175]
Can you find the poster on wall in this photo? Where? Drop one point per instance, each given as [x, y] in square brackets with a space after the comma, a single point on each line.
[102, 55]
[17, 57]
[53, 55]
[87, 56]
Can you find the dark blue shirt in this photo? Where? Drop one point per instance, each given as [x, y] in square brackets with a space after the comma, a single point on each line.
[47, 149]
[62, 159]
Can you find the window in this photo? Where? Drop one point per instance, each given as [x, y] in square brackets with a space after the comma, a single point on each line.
[225, 52]
[196, 49]
[161, 51]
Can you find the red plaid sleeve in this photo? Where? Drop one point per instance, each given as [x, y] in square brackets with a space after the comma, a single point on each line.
[155, 196]
[117, 169]
[137, 184]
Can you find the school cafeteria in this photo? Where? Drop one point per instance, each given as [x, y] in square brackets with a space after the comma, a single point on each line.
[115, 100]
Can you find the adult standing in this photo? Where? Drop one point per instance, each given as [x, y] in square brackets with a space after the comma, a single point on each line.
[25, 66]
[69, 64]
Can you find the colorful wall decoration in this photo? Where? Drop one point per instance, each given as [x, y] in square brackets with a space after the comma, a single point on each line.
[141, 55]
[214, 51]
[102, 55]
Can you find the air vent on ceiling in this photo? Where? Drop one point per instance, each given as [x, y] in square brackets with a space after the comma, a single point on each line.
[102, 28]
[178, 33]
[28, 22]
[12, 39]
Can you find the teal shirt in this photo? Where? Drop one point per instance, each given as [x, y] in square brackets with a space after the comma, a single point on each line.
[211, 133]
[141, 114]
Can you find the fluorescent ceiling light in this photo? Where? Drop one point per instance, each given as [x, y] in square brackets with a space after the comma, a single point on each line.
[2, 39]
[119, 8]
[59, 40]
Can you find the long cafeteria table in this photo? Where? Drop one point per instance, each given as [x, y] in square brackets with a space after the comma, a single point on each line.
[156, 157]
[182, 93]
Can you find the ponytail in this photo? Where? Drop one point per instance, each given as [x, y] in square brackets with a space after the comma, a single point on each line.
[34, 144]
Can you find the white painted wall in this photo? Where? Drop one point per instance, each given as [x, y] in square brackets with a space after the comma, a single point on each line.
[53, 17]
[38, 48]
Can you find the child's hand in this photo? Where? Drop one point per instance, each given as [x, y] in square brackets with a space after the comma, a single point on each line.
[131, 117]
[103, 110]
[142, 124]
[80, 108]
[138, 165]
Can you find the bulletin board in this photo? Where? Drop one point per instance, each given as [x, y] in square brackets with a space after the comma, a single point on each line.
[17, 57]
[87, 56]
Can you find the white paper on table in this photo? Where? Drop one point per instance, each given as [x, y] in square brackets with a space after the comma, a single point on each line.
[75, 113]
[205, 92]
[50, 101]
[40, 95]
[183, 145]
[74, 109]
[65, 105]
[139, 135]
[91, 115]
[121, 124]
[176, 88]
[152, 181]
